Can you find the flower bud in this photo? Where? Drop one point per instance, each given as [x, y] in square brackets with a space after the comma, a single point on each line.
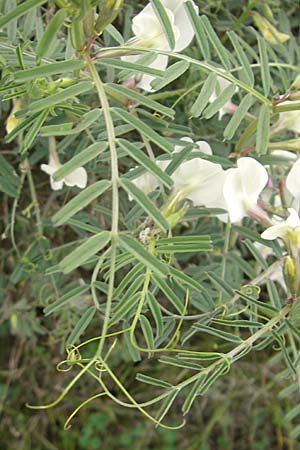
[12, 121]
[269, 32]
[14, 323]
[176, 216]
[296, 84]
[109, 10]
[77, 34]
[290, 275]
[294, 96]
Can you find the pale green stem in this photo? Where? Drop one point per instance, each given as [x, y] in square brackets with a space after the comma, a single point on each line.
[139, 308]
[34, 199]
[203, 65]
[13, 215]
[225, 251]
[243, 346]
[53, 156]
[115, 194]
[266, 328]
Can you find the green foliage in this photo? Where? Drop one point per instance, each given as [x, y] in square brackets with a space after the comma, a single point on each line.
[99, 280]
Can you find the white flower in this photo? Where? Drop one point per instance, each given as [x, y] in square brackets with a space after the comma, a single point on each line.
[149, 33]
[222, 84]
[146, 183]
[289, 156]
[199, 180]
[143, 81]
[285, 229]
[76, 178]
[242, 188]
[290, 119]
[196, 179]
[293, 180]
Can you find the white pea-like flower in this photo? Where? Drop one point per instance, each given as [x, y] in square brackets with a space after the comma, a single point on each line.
[76, 178]
[293, 181]
[286, 229]
[196, 179]
[149, 33]
[242, 188]
[200, 180]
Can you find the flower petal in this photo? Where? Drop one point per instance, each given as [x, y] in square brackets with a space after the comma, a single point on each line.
[182, 22]
[146, 183]
[147, 28]
[201, 181]
[160, 63]
[290, 119]
[210, 193]
[233, 194]
[293, 180]
[254, 178]
[293, 220]
[56, 185]
[204, 147]
[276, 231]
[77, 178]
[49, 170]
[285, 154]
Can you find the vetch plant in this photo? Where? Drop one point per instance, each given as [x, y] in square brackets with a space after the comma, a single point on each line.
[155, 258]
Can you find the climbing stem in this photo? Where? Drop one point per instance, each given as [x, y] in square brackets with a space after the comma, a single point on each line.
[115, 193]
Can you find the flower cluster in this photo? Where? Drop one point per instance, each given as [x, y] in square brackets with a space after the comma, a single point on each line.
[207, 184]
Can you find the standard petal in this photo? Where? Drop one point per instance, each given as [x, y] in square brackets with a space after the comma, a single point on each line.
[293, 180]
[49, 170]
[276, 231]
[147, 28]
[293, 220]
[210, 193]
[182, 22]
[201, 146]
[56, 185]
[201, 181]
[77, 178]
[254, 178]
[233, 194]
[145, 81]
[204, 147]
[285, 154]
[146, 183]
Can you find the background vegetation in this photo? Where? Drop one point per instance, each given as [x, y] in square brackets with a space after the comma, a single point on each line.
[246, 410]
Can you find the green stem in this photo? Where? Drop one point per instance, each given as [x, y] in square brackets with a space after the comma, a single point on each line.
[241, 347]
[203, 65]
[13, 216]
[266, 328]
[115, 194]
[34, 198]
[139, 309]
[293, 106]
[225, 251]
